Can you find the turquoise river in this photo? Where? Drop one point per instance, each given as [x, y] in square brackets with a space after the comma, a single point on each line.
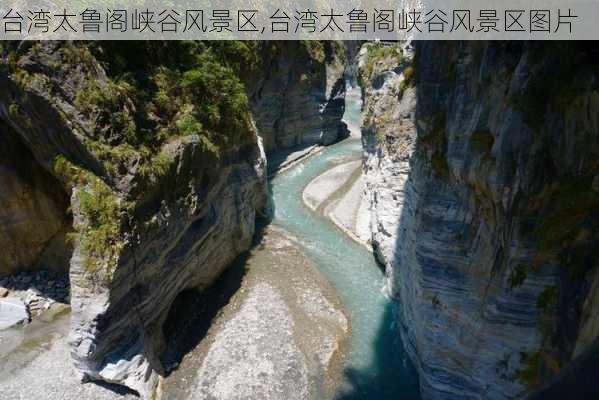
[377, 367]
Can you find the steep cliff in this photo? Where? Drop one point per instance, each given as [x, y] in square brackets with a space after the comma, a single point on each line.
[484, 184]
[155, 146]
[142, 164]
[33, 218]
[297, 93]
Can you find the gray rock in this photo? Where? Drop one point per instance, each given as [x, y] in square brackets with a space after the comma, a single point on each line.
[12, 312]
[177, 230]
[465, 172]
[197, 235]
[183, 228]
[298, 99]
[32, 206]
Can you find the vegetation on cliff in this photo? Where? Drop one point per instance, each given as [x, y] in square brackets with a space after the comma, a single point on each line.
[387, 54]
[155, 92]
[124, 102]
[98, 228]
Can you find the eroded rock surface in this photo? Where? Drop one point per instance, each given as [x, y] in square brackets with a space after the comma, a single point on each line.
[298, 94]
[33, 219]
[480, 173]
[153, 214]
[147, 158]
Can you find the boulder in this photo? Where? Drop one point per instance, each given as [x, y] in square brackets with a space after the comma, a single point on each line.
[12, 312]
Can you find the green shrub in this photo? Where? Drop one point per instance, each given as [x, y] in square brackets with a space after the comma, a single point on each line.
[13, 110]
[316, 49]
[156, 91]
[219, 97]
[377, 52]
[73, 54]
[187, 124]
[156, 166]
[408, 81]
[100, 228]
[161, 163]
[109, 106]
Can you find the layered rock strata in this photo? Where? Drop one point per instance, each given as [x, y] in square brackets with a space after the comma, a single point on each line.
[298, 94]
[482, 174]
[144, 230]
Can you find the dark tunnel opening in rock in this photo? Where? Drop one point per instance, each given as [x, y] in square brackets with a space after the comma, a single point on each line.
[193, 311]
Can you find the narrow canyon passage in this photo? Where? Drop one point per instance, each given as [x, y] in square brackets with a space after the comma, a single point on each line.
[312, 296]
[377, 367]
[299, 245]
[298, 220]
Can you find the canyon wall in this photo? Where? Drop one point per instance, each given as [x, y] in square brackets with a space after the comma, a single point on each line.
[151, 216]
[481, 167]
[33, 218]
[297, 93]
[139, 168]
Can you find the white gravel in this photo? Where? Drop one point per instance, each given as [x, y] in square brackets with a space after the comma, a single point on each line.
[281, 336]
[41, 368]
[253, 356]
[324, 185]
[352, 212]
[342, 200]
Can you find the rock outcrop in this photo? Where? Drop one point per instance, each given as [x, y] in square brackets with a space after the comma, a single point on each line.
[482, 172]
[164, 190]
[141, 163]
[12, 312]
[297, 93]
[33, 220]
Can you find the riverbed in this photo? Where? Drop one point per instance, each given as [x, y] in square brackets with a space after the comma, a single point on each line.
[377, 366]
[368, 361]
[302, 315]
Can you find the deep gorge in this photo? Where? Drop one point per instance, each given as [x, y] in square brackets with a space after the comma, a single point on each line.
[456, 259]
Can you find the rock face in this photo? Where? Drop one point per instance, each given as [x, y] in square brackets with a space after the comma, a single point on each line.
[481, 176]
[193, 240]
[32, 211]
[144, 230]
[149, 157]
[298, 93]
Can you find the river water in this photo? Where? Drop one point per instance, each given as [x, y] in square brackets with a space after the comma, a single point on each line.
[377, 366]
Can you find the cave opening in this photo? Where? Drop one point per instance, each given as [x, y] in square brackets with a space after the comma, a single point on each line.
[192, 312]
